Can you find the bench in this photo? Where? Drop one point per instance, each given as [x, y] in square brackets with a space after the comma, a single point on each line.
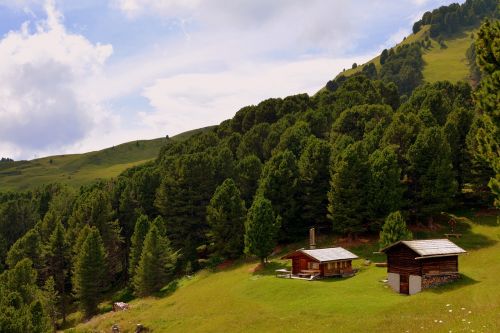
[453, 235]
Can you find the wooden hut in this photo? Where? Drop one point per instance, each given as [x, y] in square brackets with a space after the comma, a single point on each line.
[333, 261]
[419, 264]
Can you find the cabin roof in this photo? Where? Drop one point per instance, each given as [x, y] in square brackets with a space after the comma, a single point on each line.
[327, 254]
[430, 247]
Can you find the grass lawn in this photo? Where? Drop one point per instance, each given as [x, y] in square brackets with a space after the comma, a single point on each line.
[239, 300]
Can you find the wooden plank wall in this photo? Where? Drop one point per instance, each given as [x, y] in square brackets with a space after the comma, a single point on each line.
[401, 260]
[440, 265]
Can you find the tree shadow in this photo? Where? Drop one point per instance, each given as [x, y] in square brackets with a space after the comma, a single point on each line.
[462, 282]
[270, 268]
[168, 290]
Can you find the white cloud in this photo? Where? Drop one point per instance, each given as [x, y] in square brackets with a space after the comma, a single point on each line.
[42, 105]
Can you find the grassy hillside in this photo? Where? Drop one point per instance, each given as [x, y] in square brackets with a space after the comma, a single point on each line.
[80, 169]
[240, 300]
[441, 63]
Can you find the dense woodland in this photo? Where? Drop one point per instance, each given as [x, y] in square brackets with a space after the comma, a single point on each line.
[364, 148]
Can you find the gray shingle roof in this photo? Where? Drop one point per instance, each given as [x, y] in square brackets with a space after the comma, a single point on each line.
[330, 254]
[431, 247]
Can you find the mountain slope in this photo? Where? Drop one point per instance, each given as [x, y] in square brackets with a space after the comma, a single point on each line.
[447, 62]
[80, 169]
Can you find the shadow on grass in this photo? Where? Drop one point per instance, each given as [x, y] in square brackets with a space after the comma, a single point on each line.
[168, 290]
[464, 281]
[270, 268]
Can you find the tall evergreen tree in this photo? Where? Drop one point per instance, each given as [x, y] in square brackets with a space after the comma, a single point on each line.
[261, 228]
[433, 184]
[140, 231]
[29, 246]
[156, 264]
[57, 264]
[394, 230]
[347, 206]
[248, 171]
[487, 98]
[314, 181]
[278, 183]
[89, 274]
[225, 217]
[385, 192]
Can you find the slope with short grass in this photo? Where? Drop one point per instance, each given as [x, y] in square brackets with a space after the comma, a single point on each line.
[447, 62]
[237, 299]
[81, 169]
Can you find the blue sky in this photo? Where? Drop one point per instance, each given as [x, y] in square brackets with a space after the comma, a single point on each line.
[77, 76]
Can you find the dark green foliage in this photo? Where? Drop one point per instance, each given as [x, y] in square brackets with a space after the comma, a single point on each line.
[22, 301]
[137, 241]
[347, 208]
[248, 171]
[404, 68]
[394, 230]
[385, 191]
[29, 246]
[261, 228]
[225, 217]
[370, 71]
[89, 275]
[156, 264]
[488, 101]
[57, 264]
[452, 18]
[383, 56]
[278, 183]
[314, 175]
[294, 138]
[432, 180]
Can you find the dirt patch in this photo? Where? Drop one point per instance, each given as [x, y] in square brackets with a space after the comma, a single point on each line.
[256, 268]
[487, 212]
[225, 264]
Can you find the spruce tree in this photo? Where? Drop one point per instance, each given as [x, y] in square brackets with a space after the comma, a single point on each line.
[261, 229]
[29, 246]
[156, 264]
[385, 192]
[90, 273]
[57, 262]
[347, 206]
[225, 217]
[394, 230]
[140, 231]
[488, 101]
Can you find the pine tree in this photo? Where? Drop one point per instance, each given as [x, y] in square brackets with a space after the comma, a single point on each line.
[278, 183]
[433, 183]
[394, 230]
[261, 228]
[385, 193]
[140, 231]
[225, 217]
[488, 101]
[57, 264]
[347, 207]
[89, 273]
[29, 246]
[156, 264]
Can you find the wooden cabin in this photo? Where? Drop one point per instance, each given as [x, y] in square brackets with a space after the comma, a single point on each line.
[334, 261]
[419, 264]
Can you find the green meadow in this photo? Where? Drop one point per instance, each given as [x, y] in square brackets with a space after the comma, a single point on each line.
[243, 299]
[81, 169]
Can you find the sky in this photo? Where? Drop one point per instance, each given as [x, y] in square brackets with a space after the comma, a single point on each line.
[77, 76]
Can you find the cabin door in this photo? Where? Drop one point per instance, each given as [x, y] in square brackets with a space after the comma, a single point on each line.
[404, 286]
[303, 264]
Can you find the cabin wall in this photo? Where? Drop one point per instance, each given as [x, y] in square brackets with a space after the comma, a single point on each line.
[401, 260]
[301, 262]
[440, 265]
[336, 267]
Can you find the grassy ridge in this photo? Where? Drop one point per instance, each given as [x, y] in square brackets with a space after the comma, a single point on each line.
[80, 169]
[238, 300]
[448, 63]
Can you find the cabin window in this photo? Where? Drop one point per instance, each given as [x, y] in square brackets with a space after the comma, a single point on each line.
[313, 265]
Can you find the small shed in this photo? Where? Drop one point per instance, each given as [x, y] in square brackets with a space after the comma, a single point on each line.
[419, 264]
[333, 261]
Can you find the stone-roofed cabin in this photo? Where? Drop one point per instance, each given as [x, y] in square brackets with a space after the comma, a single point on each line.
[419, 264]
[333, 261]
